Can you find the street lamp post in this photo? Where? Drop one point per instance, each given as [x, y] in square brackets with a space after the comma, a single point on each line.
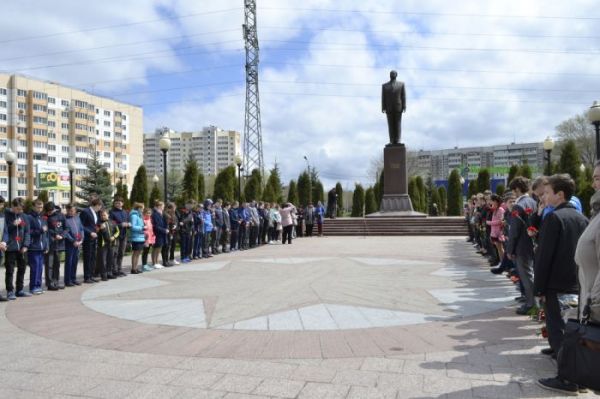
[10, 158]
[594, 116]
[71, 182]
[548, 147]
[165, 145]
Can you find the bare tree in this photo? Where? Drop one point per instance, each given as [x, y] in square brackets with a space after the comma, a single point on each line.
[579, 129]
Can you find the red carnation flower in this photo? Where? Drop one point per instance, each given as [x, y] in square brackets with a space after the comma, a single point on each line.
[515, 214]
[45, 218]
[528, 211]
[17, 238]
[532, 229]
[22, 223]
[78, 236]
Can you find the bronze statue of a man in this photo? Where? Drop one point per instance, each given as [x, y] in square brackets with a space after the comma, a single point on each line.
[393, 104]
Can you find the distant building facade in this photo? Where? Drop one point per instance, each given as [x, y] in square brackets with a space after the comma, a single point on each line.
[47, 125]
[469, 161]
[212, 148]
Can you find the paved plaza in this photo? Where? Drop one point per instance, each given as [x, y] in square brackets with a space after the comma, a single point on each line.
[333, 317]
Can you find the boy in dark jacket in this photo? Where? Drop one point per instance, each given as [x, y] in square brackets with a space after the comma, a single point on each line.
[57, 230]
[17, 238]
[38, 230]
[555, 267]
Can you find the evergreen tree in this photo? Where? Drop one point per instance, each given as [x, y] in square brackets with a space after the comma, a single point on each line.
[292, 193]
[525, 171]
[512, 173]
[95, 184]
[500, 189]
[569, 161]
[318, 193]
[340, 199]
[483, 180]
[252, 190]
[370, 205]
[358, 201]
[443, 200]
[226, 184]
[43, 196]
[422, 194]
[414, 194]
[190, 180]
[455, 198]
[273, 188]
[304, 189]
[473, 189]
[586, 191]
[202, 187]
[125, 195]
[139, 190]
[155, 195]
[435, 199]
[174, 185]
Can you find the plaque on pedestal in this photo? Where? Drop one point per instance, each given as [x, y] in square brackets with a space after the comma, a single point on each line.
[396, 201]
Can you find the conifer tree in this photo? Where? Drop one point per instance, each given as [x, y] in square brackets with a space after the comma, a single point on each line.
[472, 189]
[422, 194]
[525, 171]
[139, 190]
[340, 199]
[273, 188]
[455, 198]
[512, 173]
[155, 195]
[443, 200]
[252, 190]
[483, 180]
[293, 193]
[95, 184]
[226, 184]
[304, 189]
[370, 205]
[570, 161]
[190, 180]
[202, 187]
[358, 201]
[414, 194]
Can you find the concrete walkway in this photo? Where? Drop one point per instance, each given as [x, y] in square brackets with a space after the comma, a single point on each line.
[397, 317]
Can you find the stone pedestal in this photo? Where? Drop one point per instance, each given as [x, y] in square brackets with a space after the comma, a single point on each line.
[395, 201]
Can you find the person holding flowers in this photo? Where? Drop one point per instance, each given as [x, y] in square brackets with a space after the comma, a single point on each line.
[73, 241]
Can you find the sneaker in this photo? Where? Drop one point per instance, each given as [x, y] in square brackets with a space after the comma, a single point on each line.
[158, 266]
[175, 262]
[497, 270]
[147, 268]
[37, 291]
[558, 385]
[11, 295]
[23, 294]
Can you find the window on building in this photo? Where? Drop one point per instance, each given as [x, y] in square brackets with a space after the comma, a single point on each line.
[3, 117]
[51, 100]
[107, 123]
[65, 161]
[65, 148]
[52, 159]
[21, 168]
[2, 91]
[64, 103]
[64, 126]
[51, 124]
[65, 137]
[64, 114]
[21, 93]
[22, 130]
[3, 104]
[106, 134]
[21, 105]
[21, 193]
[39, 95]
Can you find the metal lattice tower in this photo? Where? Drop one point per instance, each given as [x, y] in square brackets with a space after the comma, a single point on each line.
[253, 152]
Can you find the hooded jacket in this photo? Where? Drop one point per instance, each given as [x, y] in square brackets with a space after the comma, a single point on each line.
[16, 235]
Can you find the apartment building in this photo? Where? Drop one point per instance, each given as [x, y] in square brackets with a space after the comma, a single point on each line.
[497, 159]
[212, 147]
[47, 125]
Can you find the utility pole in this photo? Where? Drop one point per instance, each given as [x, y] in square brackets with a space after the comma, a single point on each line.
[253, 152]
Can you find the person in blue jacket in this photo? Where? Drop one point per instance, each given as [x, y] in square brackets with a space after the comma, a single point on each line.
[137, 237]
[207, 218]
[38, 247]
[17, 238]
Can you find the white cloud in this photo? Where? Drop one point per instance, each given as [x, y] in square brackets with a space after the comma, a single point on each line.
[336, 120]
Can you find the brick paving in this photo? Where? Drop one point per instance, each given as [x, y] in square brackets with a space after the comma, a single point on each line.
[55, 346]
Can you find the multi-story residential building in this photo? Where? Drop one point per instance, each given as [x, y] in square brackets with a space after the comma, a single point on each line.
[47, 125]
[212, 148]
[497, 159]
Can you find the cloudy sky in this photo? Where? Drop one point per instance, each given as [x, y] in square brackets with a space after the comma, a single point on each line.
[477, 72]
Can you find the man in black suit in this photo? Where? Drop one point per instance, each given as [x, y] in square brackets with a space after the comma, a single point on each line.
[393, 104]
[89, 220]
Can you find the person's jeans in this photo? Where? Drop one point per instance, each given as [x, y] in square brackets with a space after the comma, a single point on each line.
[555, 324]
[15, 258]
[72, 257]
[36, 267]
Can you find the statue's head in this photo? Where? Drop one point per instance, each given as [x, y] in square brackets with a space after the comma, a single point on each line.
[393, 75]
